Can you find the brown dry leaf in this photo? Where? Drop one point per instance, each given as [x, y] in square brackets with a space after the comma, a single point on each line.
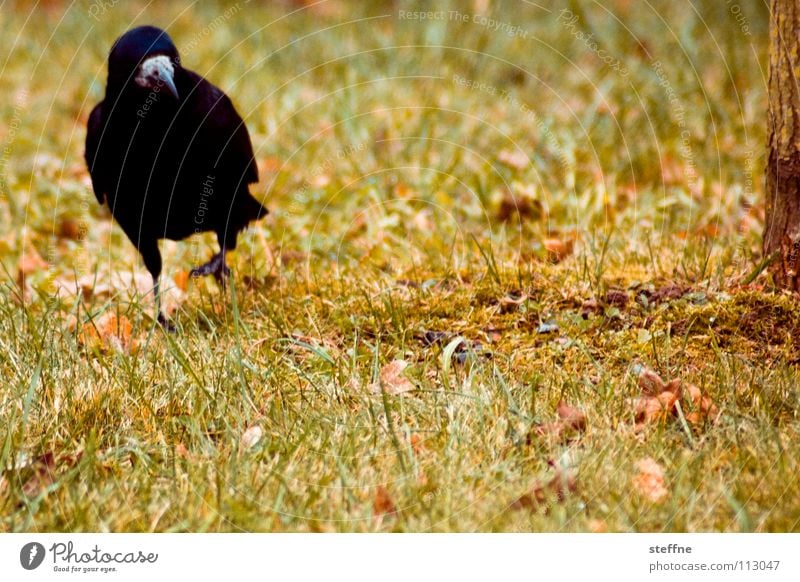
[558, 249]
[416, 443]
[252, 436]
[598, 526]
[703, 408]
[649, 480]
[654, 409]
[513, 159]
[571, 417]
[383, 504]
[571, 423]
[71, 229]
[108, 332]
[556, 489]
[392, 380]
[651, 383]
[520, 204]
[659, 401]
[182, 451]
[617, 298]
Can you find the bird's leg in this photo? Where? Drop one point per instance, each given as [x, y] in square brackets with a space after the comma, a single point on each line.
[216, 266]
[152, 260]
[163, 320]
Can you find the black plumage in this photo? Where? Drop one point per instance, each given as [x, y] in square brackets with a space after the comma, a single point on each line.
[169, 153]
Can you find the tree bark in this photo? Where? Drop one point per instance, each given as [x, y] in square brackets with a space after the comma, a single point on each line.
[782, 228]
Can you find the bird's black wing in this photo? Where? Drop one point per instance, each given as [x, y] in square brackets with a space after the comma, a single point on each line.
[223, 131]
[97, 170]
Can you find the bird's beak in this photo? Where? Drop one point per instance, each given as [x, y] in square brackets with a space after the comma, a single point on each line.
[165, 76]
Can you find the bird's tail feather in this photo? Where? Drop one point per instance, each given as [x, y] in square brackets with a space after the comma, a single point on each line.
[251, 208]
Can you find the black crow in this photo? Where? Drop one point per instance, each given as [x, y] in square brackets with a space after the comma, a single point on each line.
[168, 152]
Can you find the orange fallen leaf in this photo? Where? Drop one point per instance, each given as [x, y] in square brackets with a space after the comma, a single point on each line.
[598, 526]
[416, 443]
[108, 332]
[392, 380]
[558, 249]
[270, 164]
[649, 480]
[571, 422]
[383, 504]
[703, 408]
[659, 401]
[182, 280]
[182, 451]
[654, 409]
[651, 383]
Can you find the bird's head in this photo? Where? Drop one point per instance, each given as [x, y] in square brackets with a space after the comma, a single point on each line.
[145, 57]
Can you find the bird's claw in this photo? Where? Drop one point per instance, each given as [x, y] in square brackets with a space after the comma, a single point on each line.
[166, 324]
[216, 267]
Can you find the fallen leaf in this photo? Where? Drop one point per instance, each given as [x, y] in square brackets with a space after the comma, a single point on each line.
[654, 409]
[268, 165]
[667, 293]
[513, 159]
[558, 249]
[182, 280]
[392, 380]
[659, 399]
[512, 301]
[649, 480]
[589, 307]
[650, 382]
[598, 526]
[617, 297]
[556, 489]
[71, 229]
[108, 331]
[416, 443]
[430, 338]
[571, 422]
[181, 451]
[519, 204]
[383, 504]
[703, 408]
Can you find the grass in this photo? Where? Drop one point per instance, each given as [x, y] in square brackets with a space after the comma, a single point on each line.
[422, 176]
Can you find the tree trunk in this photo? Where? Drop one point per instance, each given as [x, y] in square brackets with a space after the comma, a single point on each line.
[782, 228]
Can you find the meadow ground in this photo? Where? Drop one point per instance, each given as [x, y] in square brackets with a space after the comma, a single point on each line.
[476, 214]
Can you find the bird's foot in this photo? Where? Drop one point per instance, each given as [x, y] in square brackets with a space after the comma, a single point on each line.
[166, 324]
[216, 266]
